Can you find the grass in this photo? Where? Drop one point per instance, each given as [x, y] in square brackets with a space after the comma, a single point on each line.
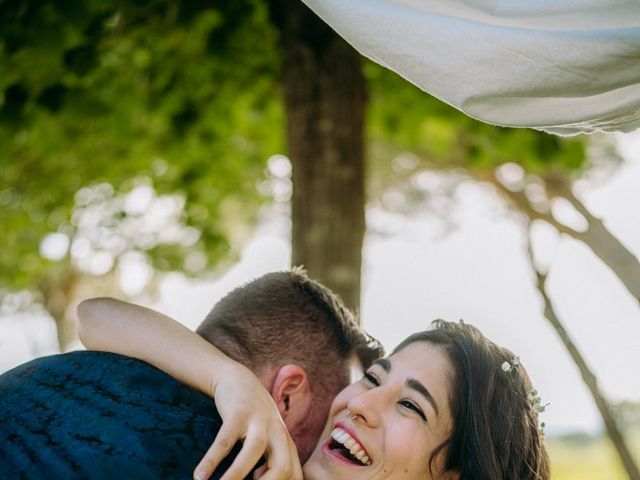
[581, 457]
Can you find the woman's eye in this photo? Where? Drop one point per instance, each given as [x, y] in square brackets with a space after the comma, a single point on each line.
[412, 406]
[371, 379]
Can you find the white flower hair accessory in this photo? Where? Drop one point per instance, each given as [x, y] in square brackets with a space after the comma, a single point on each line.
[536, 405]
[509, 365]
[535, 402]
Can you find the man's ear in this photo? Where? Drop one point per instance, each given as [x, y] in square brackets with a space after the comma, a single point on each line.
[292, 394]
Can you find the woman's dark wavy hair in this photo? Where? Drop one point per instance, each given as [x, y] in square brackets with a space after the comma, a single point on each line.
[496, 434]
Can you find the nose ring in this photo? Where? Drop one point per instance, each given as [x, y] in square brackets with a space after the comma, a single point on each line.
[353, 416]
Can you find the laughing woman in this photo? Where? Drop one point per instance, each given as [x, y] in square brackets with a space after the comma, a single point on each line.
[447, 404]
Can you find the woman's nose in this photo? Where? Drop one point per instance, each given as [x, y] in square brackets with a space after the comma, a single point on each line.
[366, 407]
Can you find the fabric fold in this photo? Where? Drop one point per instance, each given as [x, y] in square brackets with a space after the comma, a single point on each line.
[563, 66]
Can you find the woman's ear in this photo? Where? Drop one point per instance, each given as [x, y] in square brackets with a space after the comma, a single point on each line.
[292, 394]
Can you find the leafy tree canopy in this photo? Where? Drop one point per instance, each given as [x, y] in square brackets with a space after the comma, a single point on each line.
[177, 94]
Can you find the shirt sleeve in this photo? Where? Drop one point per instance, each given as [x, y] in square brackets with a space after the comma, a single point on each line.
[563, 66]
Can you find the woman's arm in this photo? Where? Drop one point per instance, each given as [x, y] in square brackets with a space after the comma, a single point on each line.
[246, 407]
[112, 325]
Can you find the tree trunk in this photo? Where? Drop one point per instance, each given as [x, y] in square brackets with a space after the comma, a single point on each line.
[587, 375]
[324, 91]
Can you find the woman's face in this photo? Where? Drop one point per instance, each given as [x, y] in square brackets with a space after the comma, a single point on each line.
[388, 424]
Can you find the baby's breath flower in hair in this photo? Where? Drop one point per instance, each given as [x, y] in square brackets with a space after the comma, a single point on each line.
[535, 402]
[507, 365]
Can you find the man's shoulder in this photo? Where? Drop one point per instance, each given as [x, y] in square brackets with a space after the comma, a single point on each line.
[76, 361]
[88, 412]
[102, 374]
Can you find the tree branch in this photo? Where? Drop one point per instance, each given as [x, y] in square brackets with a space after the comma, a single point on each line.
[587, 375]
[597, 237]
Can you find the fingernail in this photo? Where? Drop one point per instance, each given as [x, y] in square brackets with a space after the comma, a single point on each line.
[198, 476]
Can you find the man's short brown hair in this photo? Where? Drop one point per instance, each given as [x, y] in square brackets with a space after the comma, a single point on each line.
[286, 317]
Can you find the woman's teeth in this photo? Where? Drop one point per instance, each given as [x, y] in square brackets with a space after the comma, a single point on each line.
[350, 444]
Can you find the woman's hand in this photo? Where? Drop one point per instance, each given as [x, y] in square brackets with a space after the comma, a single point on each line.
[249, 414]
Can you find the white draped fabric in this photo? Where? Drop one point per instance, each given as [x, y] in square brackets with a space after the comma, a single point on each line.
[564, 66]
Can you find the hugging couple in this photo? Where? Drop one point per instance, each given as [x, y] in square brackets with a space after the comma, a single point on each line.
[276, 355]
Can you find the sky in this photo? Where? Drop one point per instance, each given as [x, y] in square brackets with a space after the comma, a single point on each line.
[417, 270]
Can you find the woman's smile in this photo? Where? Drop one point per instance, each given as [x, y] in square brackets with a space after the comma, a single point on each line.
[345, 446]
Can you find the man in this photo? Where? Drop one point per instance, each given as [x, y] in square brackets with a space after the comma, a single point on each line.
[103, 415]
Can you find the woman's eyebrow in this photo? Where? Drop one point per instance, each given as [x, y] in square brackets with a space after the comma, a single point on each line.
[412, 383]
[383, 363]
[415, 385]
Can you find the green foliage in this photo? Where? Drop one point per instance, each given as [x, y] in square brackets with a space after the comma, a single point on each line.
[181, 95]
[578, 457]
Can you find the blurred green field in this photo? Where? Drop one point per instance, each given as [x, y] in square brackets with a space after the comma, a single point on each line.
[581, 457]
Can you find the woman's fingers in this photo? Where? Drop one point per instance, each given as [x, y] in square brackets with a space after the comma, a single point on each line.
[278, 448]
[253, 448]
[282, 462]
[297, 466]
[272, 441]
[292, 472]
[259, 472]
[230, 433]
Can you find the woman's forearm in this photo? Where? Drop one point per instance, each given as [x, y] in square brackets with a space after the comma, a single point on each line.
[115, 326]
